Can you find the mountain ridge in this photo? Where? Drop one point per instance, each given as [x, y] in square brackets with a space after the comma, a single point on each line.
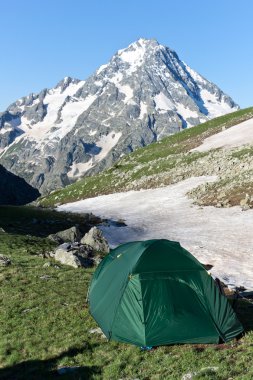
[81, 127]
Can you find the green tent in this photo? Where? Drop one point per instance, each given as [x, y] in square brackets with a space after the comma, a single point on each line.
[154, 292]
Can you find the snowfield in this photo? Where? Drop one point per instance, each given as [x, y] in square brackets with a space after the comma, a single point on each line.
[235, 136]
[221, 237]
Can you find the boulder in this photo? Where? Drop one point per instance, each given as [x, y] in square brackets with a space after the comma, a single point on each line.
[72, 234]
[67, 257]
[4, 261]
[75, 255]
[97, 331]
[246, 203]
[96, 240]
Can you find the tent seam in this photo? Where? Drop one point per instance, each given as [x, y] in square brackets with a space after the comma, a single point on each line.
[116, 309]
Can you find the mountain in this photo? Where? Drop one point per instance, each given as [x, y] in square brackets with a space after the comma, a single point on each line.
[80, 127]
[14, 190]
[221, 147]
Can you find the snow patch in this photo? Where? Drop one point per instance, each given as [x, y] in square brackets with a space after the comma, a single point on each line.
[70, 113]
[116, 78]
[232, 137]
[220, 237]
[54, 100]
[101, 68]
[144, 110]
[186, 112]
[195, 76]
[127, 91]
[92, 133]
[106, 143]
[163, 104]
[133, 55]
[5, 130]
[216, 107]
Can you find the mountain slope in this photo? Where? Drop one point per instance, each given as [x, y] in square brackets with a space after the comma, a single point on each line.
[79, 128]
[173, 159]
[14, 190]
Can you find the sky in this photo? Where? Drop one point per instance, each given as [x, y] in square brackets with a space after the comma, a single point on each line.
[41, 42]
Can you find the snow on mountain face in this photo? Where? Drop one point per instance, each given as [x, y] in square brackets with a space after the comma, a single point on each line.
[81, 127]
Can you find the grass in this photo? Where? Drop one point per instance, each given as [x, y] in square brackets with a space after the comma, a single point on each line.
[155, 159]
[45, 325]
[41, 222]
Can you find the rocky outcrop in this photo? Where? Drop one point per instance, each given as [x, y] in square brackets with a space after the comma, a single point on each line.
[95, 239]
[72, 234]
[87, 253]
[75, 255]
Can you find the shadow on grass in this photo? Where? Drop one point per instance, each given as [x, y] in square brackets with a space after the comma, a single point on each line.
[46, 369]
[40, 222]
[244, 311]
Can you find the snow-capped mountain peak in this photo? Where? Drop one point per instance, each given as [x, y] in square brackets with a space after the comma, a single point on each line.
[145, 92]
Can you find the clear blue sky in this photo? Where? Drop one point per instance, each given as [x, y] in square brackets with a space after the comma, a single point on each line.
[43, 41]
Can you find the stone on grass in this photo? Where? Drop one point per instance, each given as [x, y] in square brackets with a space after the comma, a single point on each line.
[97, 331]
[72, 234]
[4, 261]
[67, 257]
[45, 277]
[76, 255]
[96, 240]
[202, 372]
[189, 376]
[47, 265]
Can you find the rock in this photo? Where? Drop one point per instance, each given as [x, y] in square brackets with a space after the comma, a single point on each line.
[2, 230]
[97, 331]
[207, 266]
[246, 203]
[26, 311]
[67, 257]
[4, 261]
[47, 265]
[72, 234]
[76, 255]
[245, 208]
[45, 277]
[47, 254]
[189, 376]
[96, 240]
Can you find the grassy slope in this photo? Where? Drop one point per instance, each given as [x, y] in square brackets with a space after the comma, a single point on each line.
[150, 166]
[44, 325]
[41, 222]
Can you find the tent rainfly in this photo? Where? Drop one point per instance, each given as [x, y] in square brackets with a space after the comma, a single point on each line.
[154, 292]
